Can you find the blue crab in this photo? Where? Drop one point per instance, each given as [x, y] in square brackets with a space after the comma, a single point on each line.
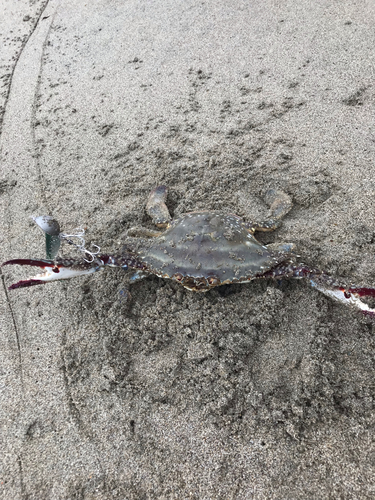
[199, 250]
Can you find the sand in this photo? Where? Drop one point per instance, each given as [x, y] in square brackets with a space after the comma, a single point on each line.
[258, 391]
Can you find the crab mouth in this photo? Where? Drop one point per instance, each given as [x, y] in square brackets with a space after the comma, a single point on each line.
[198, 284]
[195, 288]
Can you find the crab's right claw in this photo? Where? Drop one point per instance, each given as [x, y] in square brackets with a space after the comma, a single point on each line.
[54, 270]
[348, 295]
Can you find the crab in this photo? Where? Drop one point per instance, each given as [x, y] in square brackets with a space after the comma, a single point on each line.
[200, 250]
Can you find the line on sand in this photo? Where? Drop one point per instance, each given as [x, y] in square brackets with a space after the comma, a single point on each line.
[17, 138]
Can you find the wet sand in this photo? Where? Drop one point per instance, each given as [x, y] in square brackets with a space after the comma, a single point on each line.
[258, 391]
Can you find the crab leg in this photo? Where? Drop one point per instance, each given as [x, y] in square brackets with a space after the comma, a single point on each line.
[349, 295]
[61, 269]
[156, 207]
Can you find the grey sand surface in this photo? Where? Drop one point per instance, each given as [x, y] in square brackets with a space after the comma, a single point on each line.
[259, 391]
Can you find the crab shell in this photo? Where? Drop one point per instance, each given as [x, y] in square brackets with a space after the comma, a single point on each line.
[202, 250]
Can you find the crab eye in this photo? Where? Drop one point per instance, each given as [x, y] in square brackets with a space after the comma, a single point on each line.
[178, 277]
[213, 281]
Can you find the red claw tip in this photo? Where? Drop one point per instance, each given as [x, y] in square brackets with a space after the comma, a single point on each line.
[30, 262]
[26, 283]
[362, 291]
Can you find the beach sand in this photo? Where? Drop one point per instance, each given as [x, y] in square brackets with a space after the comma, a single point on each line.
[257, 391]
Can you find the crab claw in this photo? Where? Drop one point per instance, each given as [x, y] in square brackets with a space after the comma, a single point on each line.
[329, 285]
[350, 296]
[54, 270]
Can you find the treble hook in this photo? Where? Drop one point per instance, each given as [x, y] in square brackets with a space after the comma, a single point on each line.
[81, 245]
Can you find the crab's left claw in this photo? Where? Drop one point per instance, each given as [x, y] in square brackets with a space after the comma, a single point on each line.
[54, 270]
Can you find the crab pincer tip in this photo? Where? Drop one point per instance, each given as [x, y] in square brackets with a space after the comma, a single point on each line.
[30, 262]
[26, 283]
[370, 314]
[362, 291]
[354, 295]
